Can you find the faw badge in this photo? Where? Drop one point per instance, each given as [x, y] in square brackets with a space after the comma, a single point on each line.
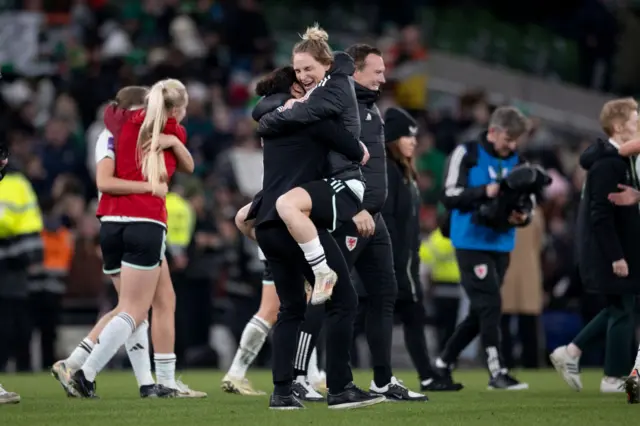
[481, 271]
[351, 242]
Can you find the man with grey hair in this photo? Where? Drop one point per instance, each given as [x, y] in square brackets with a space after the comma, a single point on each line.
[472, 177]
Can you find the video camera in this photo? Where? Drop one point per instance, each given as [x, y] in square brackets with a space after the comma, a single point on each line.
[515, 194]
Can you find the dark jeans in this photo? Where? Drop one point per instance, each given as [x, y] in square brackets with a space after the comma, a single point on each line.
[527, 335]
[15, 333]
[46, 308]
[193, 313]
[615, 322]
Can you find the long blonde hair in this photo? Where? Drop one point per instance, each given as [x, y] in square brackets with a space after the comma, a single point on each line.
[162, 98]
[315, 43]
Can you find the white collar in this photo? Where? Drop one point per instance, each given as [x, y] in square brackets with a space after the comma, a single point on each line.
[614, 143]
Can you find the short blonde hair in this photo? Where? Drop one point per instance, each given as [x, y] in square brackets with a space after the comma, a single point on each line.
[315, 43]
[615, 112]
[161, 99]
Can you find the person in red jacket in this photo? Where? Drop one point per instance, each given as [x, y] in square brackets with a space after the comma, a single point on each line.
[134, 225]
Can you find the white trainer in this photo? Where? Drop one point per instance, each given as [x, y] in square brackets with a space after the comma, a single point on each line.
[567, 366]
[7, 397]
[612, 385]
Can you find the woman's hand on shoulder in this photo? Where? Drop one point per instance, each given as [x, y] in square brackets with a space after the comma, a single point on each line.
[164, 142]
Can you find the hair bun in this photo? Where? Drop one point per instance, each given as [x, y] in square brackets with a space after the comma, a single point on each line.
[316, 33]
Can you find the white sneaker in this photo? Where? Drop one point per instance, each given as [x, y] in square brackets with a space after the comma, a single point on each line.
[396, 391]
[302, 390]
[567, 366]
[7, 397]
[323, 287]
[612, 385]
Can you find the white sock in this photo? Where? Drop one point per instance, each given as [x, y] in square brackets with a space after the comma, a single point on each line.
[493, 361]
[166, 370]
[114, 335]
[440, 363]
[313, 371]
[138, 350]
[314, 253]
[253, 337]
[636, 365]
[80, 354]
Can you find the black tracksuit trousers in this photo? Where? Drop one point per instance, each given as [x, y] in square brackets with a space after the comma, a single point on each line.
[289, 269]
[373, 260]
[482, 273]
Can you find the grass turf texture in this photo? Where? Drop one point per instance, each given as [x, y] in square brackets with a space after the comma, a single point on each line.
[548, 402]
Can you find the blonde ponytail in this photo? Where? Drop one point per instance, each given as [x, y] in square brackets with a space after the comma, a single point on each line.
[162, 98]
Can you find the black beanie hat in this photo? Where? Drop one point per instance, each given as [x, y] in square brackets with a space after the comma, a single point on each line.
[398, 123]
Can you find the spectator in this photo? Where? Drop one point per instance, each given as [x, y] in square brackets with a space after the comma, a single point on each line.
[47, 283]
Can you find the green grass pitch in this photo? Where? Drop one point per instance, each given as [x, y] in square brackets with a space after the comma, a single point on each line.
[548, 402]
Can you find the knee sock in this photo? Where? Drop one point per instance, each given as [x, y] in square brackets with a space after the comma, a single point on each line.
[166, 370]
[253, 337]
[138, 350]
[114, 335]
[80, 354]
[314, 253]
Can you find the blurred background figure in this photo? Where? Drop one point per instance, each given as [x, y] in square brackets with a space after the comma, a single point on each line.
[438, 254]
[522, 297]
[47, 282]
[450, 64]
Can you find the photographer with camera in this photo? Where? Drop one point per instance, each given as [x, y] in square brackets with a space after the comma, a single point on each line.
[482, 232]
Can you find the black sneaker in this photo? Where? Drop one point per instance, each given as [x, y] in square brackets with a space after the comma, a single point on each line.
[632, 388]
[303, 391]
[440, 384]
[157, 391]
[396, 391]
[506, 382]
[84, 387]
[279, 402]
[352, 397]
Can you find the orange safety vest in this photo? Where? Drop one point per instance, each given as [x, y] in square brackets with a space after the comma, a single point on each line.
[58, 250]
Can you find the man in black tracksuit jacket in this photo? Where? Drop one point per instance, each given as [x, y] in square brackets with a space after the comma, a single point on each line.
[290, 161]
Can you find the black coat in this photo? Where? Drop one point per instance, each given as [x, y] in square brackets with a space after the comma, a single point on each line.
[401, 213]
[333, 98]
[372, 135]
[606, 232]
[296, 158]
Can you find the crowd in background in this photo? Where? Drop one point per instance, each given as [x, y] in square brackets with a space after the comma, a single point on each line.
[51, 122]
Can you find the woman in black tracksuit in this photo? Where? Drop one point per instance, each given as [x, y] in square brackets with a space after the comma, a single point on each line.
[401, 214]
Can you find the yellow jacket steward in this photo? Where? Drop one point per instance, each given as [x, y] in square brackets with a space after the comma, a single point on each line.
[438, 253]
[20, 227]
[180, 223]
